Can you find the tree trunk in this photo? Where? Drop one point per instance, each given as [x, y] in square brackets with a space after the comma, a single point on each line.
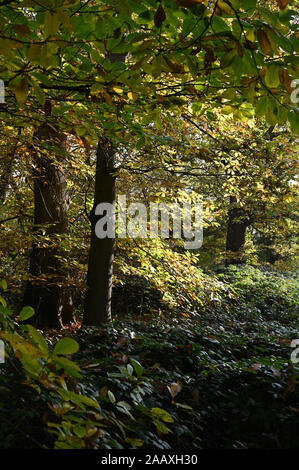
[100, 263]
[7, 171]
[238, 221]
[47, 292]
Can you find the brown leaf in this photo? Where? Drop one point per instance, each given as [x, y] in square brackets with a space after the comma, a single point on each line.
[122, 341]
[175, 67]
[174, 389]
[285, 80]
[256, 366]
[22, 30]
[239, 49]
[159, 16]
[264, 42]
[107, 97]
[282, 3]
[100, 70]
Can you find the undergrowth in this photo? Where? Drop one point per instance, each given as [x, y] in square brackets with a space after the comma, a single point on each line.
[222, 377]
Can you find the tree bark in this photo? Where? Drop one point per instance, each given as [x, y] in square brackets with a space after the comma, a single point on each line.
[100, 263]
[238, 221]
[47, 291]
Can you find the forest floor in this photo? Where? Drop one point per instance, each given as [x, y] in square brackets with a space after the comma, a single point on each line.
[221, 380]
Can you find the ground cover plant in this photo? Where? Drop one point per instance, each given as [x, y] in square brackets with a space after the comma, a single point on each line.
[223, 379]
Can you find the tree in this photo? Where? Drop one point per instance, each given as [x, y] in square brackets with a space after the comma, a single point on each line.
[101, 253]
[47, 292]
[237, 224]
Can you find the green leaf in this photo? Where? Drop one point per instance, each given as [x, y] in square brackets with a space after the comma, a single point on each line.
[162, 414]
[38, 338]
[79, 430]
[137, 367]
[161, 427]
[3, 284]
[66, 346]
[227, 59]
[272, 76]
[111, 396]
[39, 93]
[69, 367]
[31, 365]
[25, 313]
[293, 118]
[134, 441]
[52, 22]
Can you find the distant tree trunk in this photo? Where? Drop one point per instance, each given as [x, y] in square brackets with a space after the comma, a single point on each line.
[7, 171]
[238, 221]
[100, 263]
[47, 292]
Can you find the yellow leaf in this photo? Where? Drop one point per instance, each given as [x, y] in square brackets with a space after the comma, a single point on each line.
[132, 96]
[250, 35]
[118, 90]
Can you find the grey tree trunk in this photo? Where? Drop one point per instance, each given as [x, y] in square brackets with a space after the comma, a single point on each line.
[100, 263]
[48, 291]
